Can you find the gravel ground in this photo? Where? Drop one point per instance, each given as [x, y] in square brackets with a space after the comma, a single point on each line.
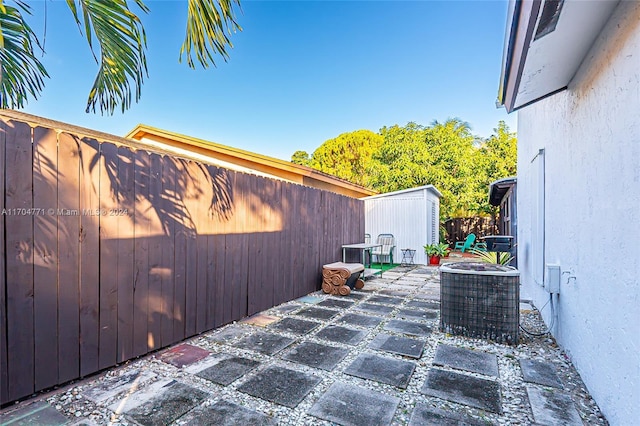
[421, 283]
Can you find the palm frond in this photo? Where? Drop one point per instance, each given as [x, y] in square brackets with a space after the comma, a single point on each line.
[122, 42]
[209, 25]
[21, 73]
[490, 257]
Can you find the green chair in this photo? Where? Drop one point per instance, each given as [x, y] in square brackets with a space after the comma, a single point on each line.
[466, 244]
[388, 243]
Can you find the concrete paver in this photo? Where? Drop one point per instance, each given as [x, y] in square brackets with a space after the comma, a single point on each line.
[161, 403]
[374, 309]
[114, 385]
[424, 415]
[184, 354]
[280, 385]
[417, 314]
[387, 300]
[335, 303]
[408, 327]
[351, 405]
[360, 320]
[463, 389]
[318, 313]
[339, 334]
[228, 370]
[398, 345]
[259, 319]
[316, 355]
[382, 369]
[540, 372]
[228, 334]
[423, 304]
[552, 407]
[310, 299]
[37, 414]
[264, 342]
[467, 360]
[294, 326]
[226, 413]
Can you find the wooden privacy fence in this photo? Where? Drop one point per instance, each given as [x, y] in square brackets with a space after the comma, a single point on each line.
[109, 253]
[458, 228]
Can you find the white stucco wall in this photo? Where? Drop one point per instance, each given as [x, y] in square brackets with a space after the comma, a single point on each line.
[591, 140]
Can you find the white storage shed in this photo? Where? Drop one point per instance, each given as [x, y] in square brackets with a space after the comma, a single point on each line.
[411, 215]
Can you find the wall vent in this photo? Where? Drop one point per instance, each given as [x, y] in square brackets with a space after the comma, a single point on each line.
[548, 18]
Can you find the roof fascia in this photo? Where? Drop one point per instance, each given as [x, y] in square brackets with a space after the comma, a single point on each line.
[525, 16]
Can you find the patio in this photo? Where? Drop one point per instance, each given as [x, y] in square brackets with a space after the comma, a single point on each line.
[375, 357]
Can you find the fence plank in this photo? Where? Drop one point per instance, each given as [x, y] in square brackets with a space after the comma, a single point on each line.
[142, 232]
[89, 256]
[46, 257]
[237, 242]
[193, 185]
[179, 304]
[203, 255]
[124, 218]
[168, 248]
[19, 259]
[156, 268]
[284, 248]
[257, 258]
[68, 266]
[4, 391]
[108, 256]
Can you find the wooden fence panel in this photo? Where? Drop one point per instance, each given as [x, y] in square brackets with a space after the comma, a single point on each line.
[4, 391]
[155, 304]
[124, 219]
[255, 264]
[89, 256]
[46, 257]
[191, 261]
[108, 257]
[172, 248]
[180, 259]
[68, 265]
[19, 260]
[458, 228]
[142, 230]
[203, 259]
[168, 248]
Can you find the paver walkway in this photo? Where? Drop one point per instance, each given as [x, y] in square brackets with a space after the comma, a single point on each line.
[373, 358]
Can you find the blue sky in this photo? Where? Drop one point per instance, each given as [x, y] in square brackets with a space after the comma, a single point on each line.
[300, 72]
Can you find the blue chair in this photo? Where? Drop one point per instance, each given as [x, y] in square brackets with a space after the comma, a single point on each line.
[466, 244]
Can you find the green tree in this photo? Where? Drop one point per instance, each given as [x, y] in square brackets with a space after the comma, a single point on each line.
[496, 159]
[301, 157]
[441, 155]
[348, 156]
[117, 40]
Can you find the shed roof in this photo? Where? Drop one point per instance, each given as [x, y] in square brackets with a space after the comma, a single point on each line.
[499, 188]
[545, 43]
[246, 161]
[430, 188]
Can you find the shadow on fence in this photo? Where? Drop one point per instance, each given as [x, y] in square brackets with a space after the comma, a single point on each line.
[109, 253]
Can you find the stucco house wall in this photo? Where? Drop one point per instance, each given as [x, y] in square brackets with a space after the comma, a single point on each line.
[586, 218]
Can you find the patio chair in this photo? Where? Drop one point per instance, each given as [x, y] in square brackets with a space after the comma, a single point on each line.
[367, 238]
[466, 244]
[388, 243]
